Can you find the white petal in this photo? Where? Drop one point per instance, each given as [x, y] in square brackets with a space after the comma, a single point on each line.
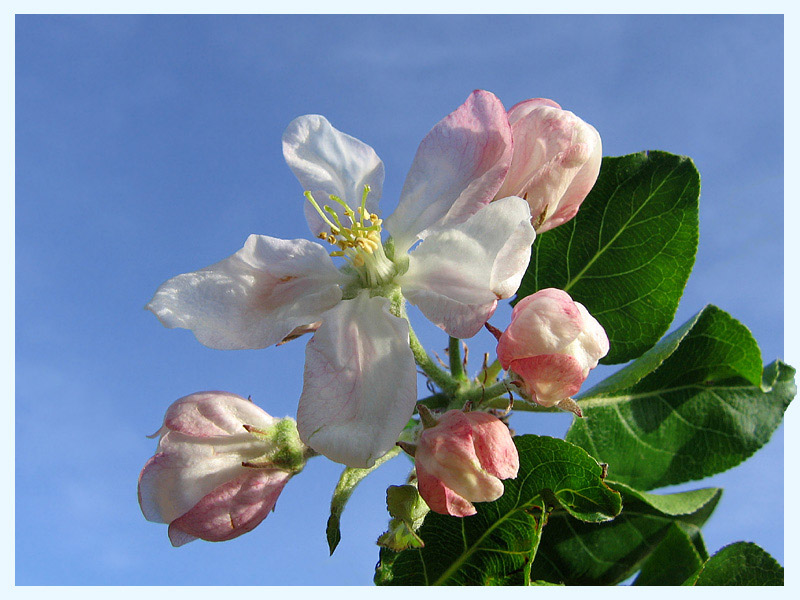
[206, 414]
[186, 468]
[591, 344]
[457, 275]
[254, 298]
[360, 382]
[458, 168]
[327, 161]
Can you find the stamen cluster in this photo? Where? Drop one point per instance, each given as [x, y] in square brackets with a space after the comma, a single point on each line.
[363, 233]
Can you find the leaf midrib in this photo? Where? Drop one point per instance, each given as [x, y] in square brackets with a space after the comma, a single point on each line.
[600, 251]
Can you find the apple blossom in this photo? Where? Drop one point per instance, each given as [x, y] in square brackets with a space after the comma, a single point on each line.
[360, 380]
[220, 466]
[551, 345]
[556, 161]
[461, 459]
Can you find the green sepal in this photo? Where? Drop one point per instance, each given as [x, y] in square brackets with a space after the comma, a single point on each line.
[408, 511]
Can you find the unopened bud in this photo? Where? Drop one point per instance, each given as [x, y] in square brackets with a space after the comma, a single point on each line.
[550, 346]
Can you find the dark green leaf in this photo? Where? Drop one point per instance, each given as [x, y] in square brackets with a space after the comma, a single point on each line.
[742, 563]
[694, 405]
[576, 553]
[496, 546]
[348, 481]
[627, 255]
[673, 561]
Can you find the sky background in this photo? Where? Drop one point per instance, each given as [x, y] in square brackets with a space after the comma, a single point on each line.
[148, 146]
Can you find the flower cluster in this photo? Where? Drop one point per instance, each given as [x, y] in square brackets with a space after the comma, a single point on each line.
[483, 182]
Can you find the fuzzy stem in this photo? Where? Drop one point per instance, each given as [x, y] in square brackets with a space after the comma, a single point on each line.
[456, 366]
[438, 376]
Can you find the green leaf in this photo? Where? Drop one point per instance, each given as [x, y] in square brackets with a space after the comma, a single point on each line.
[673, 561]
[742, 563]
[348, 481]
[694, 405]
[496, 546]
[627, 254]
[576, 553]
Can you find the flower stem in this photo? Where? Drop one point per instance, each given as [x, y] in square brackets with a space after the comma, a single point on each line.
[480, 395]
[456, 366]
[438, 376]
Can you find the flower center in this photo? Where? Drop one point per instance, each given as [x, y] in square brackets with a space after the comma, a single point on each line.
[358, 237]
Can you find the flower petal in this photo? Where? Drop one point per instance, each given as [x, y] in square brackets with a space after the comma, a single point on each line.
[447, 452]
[549, 378]
[329, 162]
[458, 168]
[231, 509]
[494, 446]
[254, 298]
[543, 323]
[440, 498]
[206, 414]
[186, 468]
[457, 274]
[360, 382]
[556, 160]
[521, 109]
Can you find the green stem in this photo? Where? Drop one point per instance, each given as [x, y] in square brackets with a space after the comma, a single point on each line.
[537, 537]
[480, 395]
[456, 366]
[438, 376]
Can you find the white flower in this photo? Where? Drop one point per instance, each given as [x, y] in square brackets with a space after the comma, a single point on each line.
[360, 380]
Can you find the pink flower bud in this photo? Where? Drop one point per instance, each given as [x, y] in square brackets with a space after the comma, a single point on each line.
[551, 345]
[462, 460]
[555, 163]
[197, 481]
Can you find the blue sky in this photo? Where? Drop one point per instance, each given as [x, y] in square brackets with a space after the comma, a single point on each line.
[150, 146]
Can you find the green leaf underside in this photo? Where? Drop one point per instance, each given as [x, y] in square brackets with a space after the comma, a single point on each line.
[673, 561]
[742, 563]
[694, 405]
[348, 481]
[628, 253]
[496, 546]
[577, 553]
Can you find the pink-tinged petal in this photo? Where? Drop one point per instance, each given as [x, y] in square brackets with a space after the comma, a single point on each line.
[555, 164]
[231, 509]
[360, 382]
[550, 378]
[447, 452]
[179, 538]
[543, 323]
[494, 446]
[207, 414]
[329, 162]
[254, 298]
[440, 498]
[457, 274]
[458, 168]
[186, 468]
[521, 109]
[593, 338]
